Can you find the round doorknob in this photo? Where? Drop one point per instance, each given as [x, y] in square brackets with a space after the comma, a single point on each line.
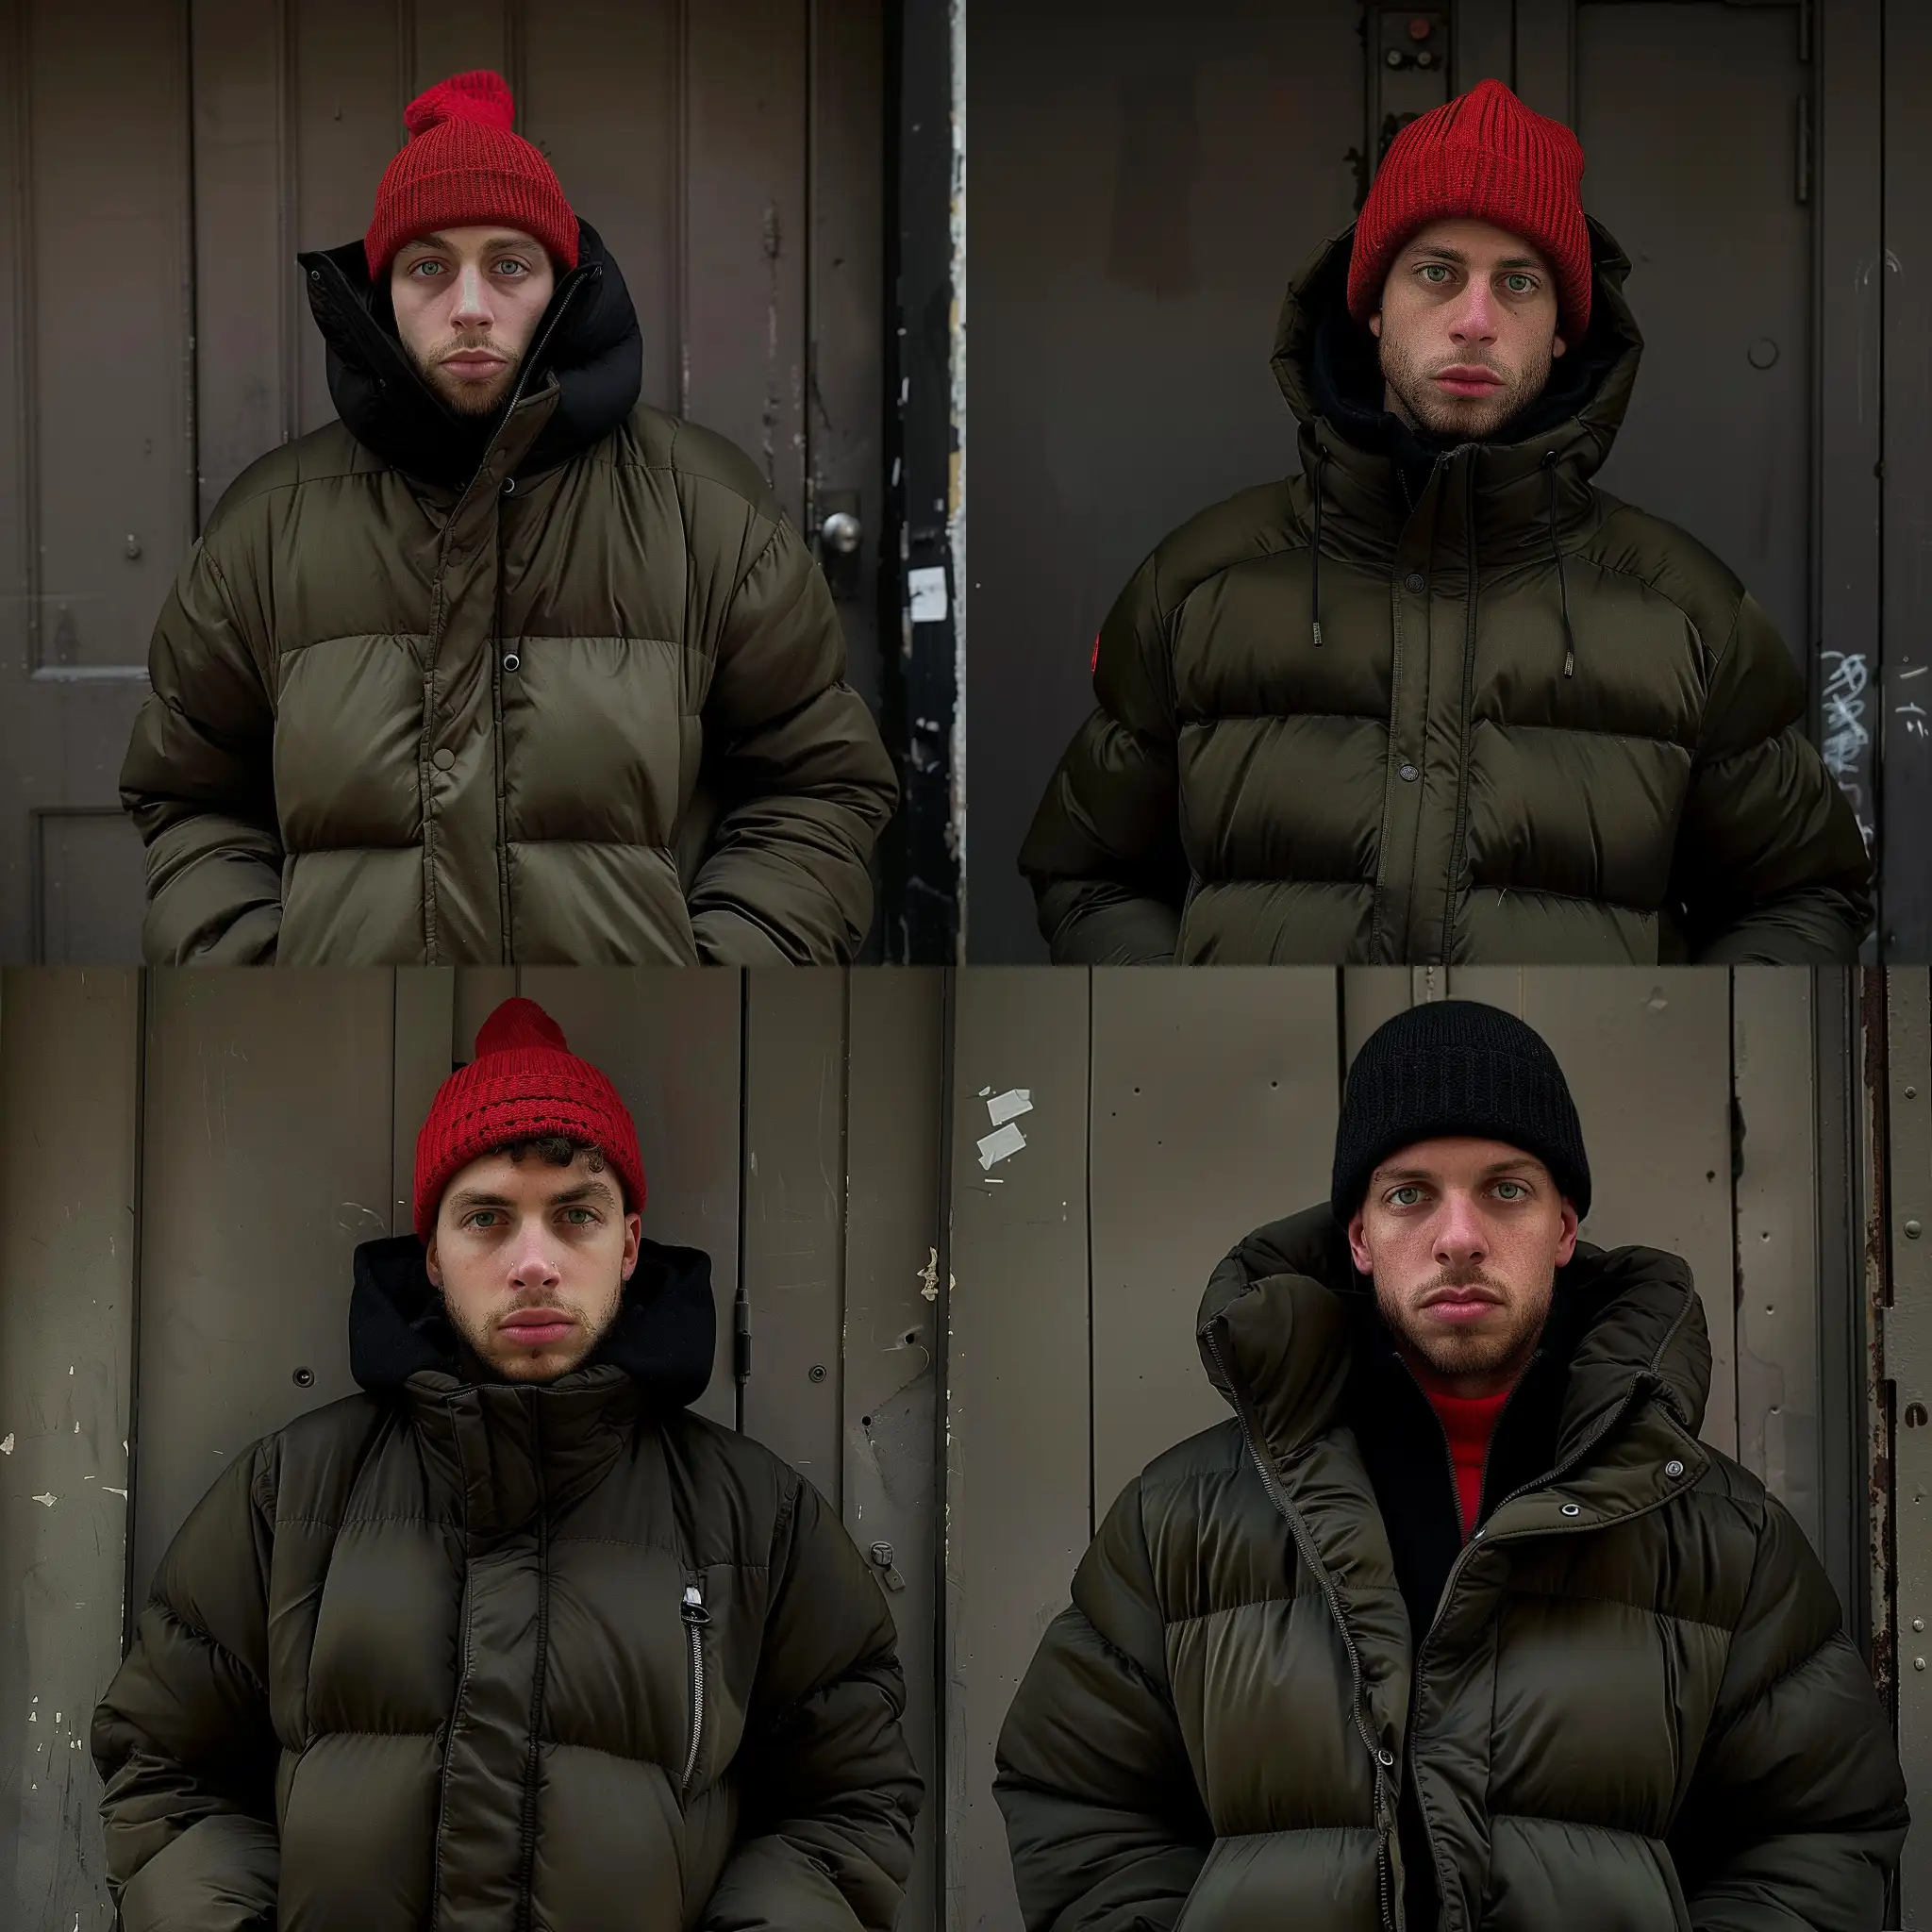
[843, 532]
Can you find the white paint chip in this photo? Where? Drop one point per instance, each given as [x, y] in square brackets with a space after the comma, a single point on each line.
[47, 1500]
[930, 1274]
[926, 592]
[6, 1446]
[1000, 1145]
[113, 1492]
[1009, 1106]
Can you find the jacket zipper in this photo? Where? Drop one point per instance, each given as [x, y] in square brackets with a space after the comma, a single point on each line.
[696, 1621]
[1469, 587]
[1305, 1549]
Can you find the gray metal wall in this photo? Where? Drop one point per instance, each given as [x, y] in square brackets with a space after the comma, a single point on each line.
[1171, 1113]
[162, 161]
[1140, 198]
[187, 1162]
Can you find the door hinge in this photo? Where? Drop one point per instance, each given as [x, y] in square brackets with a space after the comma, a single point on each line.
[741, 1339]
[1803, 180]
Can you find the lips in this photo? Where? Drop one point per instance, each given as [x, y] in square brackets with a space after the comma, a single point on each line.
[1460, 1303]
[537, 1329]
[474, 364]
[1468, 380]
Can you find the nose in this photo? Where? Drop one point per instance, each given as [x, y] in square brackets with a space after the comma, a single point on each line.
[1474, 317]
[470, 309]
[1461, 1235]
[532, 1267]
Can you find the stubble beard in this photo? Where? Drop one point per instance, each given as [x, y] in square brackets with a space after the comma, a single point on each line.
[1470, 418]
[521, 1365]
[469, 399]
[1505, 1339]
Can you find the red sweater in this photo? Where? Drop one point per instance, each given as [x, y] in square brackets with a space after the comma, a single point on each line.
[1468, 1421]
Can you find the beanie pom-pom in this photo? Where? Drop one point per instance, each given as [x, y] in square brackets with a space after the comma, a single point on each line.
[479, 95]
[519, 1024]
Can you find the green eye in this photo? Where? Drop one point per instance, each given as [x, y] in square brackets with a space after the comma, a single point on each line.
[1512, 1191]
[1518, 285]
[510, 267]
[481, 1218]
[579, 1216]
[1408, 1195]
[1435, 272]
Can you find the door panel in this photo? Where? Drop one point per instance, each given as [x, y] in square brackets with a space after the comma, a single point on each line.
[1689, 116]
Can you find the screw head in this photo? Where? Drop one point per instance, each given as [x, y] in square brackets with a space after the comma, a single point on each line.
[304, 1378]
[816, 1372]
[1914, 1230]
[1917, 1663]
[1918, 1622]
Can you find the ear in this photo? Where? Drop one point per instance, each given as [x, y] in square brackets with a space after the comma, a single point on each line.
[1376, 324]
[633, 1226]
[432, 1264]
[1566, 1243]
[1557, 345]
[1359, 1245]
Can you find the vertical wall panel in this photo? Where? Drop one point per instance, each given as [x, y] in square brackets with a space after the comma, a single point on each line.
[1778, 1387]
[269, 1120]
[670, 1041]
[452, 36]
[1648, 1057]
[894, 1248]
[794, 1214]
[745, 233]
[603, 97]
[1018, 1422]
[426, 1050]
[1214, 1108]
[69, 1083]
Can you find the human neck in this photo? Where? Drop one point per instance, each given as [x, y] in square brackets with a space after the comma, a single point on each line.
[1475, 1388]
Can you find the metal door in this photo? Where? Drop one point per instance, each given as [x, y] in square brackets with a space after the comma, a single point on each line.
[162, 161]
[1115, 1133]
[1140, 200]
[190, 1161]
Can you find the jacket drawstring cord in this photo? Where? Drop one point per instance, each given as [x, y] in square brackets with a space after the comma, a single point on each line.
[1562, 582]
[1315, 554]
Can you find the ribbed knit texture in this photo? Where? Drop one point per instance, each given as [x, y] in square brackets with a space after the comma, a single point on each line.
[465, 166]
[1469, 1421]
[1455, 1067]
[524, 1084]
[1482, 157]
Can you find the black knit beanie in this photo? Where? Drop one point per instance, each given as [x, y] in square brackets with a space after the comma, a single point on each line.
[1462, 1068]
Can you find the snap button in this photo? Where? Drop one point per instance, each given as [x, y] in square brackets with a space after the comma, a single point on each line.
[1674, 1468]
[1415, 582]
[1572, 1509]
[1410, 775]
[443, 759]
[1385, 1757]
[509, 486]
[511, 660]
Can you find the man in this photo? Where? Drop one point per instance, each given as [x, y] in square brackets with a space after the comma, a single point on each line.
[513, 1639]
[504, 665]
[1437, 698]
[1456, 1623]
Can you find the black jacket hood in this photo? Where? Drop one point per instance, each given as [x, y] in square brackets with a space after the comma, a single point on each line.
[1329, 370]
[664, 1338]
[589, 347]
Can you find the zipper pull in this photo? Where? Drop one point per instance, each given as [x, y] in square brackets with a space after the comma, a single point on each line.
[694, 1610]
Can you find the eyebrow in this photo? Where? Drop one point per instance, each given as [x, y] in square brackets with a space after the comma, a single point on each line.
[1528, 1165]
[1434, 252]
[569, 1197]
[521, 243]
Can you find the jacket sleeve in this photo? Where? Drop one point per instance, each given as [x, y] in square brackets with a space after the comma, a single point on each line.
[1104, 853]
[199, 780]
[1104, 1821]
[182, 1739]
[1770, 867]
[829, 1793]
[807, 779]
[1796, 1811]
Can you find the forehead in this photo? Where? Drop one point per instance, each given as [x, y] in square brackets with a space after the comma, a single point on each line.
[532, 1177]
[1457, 1158]
[1478, 242]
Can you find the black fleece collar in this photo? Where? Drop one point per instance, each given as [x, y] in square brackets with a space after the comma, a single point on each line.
[589, 347]
[664, 1338]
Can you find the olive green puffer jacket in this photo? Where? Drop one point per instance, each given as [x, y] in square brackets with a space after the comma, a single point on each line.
[510, 1659]
[1521, 722]
[566, 688]
[1634, 1708]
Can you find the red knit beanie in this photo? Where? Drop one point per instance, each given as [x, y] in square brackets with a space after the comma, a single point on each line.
[524, 1084]
[1482, 157]
[463, 166]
